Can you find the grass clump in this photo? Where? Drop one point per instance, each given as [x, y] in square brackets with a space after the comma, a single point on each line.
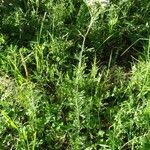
[74, 75]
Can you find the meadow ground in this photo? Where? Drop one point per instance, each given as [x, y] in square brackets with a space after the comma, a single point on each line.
[74, 76]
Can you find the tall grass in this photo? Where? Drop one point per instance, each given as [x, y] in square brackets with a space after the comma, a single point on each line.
[74, 75]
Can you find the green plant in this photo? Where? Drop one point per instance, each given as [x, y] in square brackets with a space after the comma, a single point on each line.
[74, 75]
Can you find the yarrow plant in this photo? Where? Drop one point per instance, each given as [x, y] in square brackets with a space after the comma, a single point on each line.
[96, 6]
[99, 2]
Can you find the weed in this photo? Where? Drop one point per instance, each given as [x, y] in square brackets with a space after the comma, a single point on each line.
[74, 75]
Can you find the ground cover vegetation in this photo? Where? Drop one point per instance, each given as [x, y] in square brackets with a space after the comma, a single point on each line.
[74, 76]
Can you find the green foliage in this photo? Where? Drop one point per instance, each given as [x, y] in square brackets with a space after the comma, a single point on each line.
[74, 76]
